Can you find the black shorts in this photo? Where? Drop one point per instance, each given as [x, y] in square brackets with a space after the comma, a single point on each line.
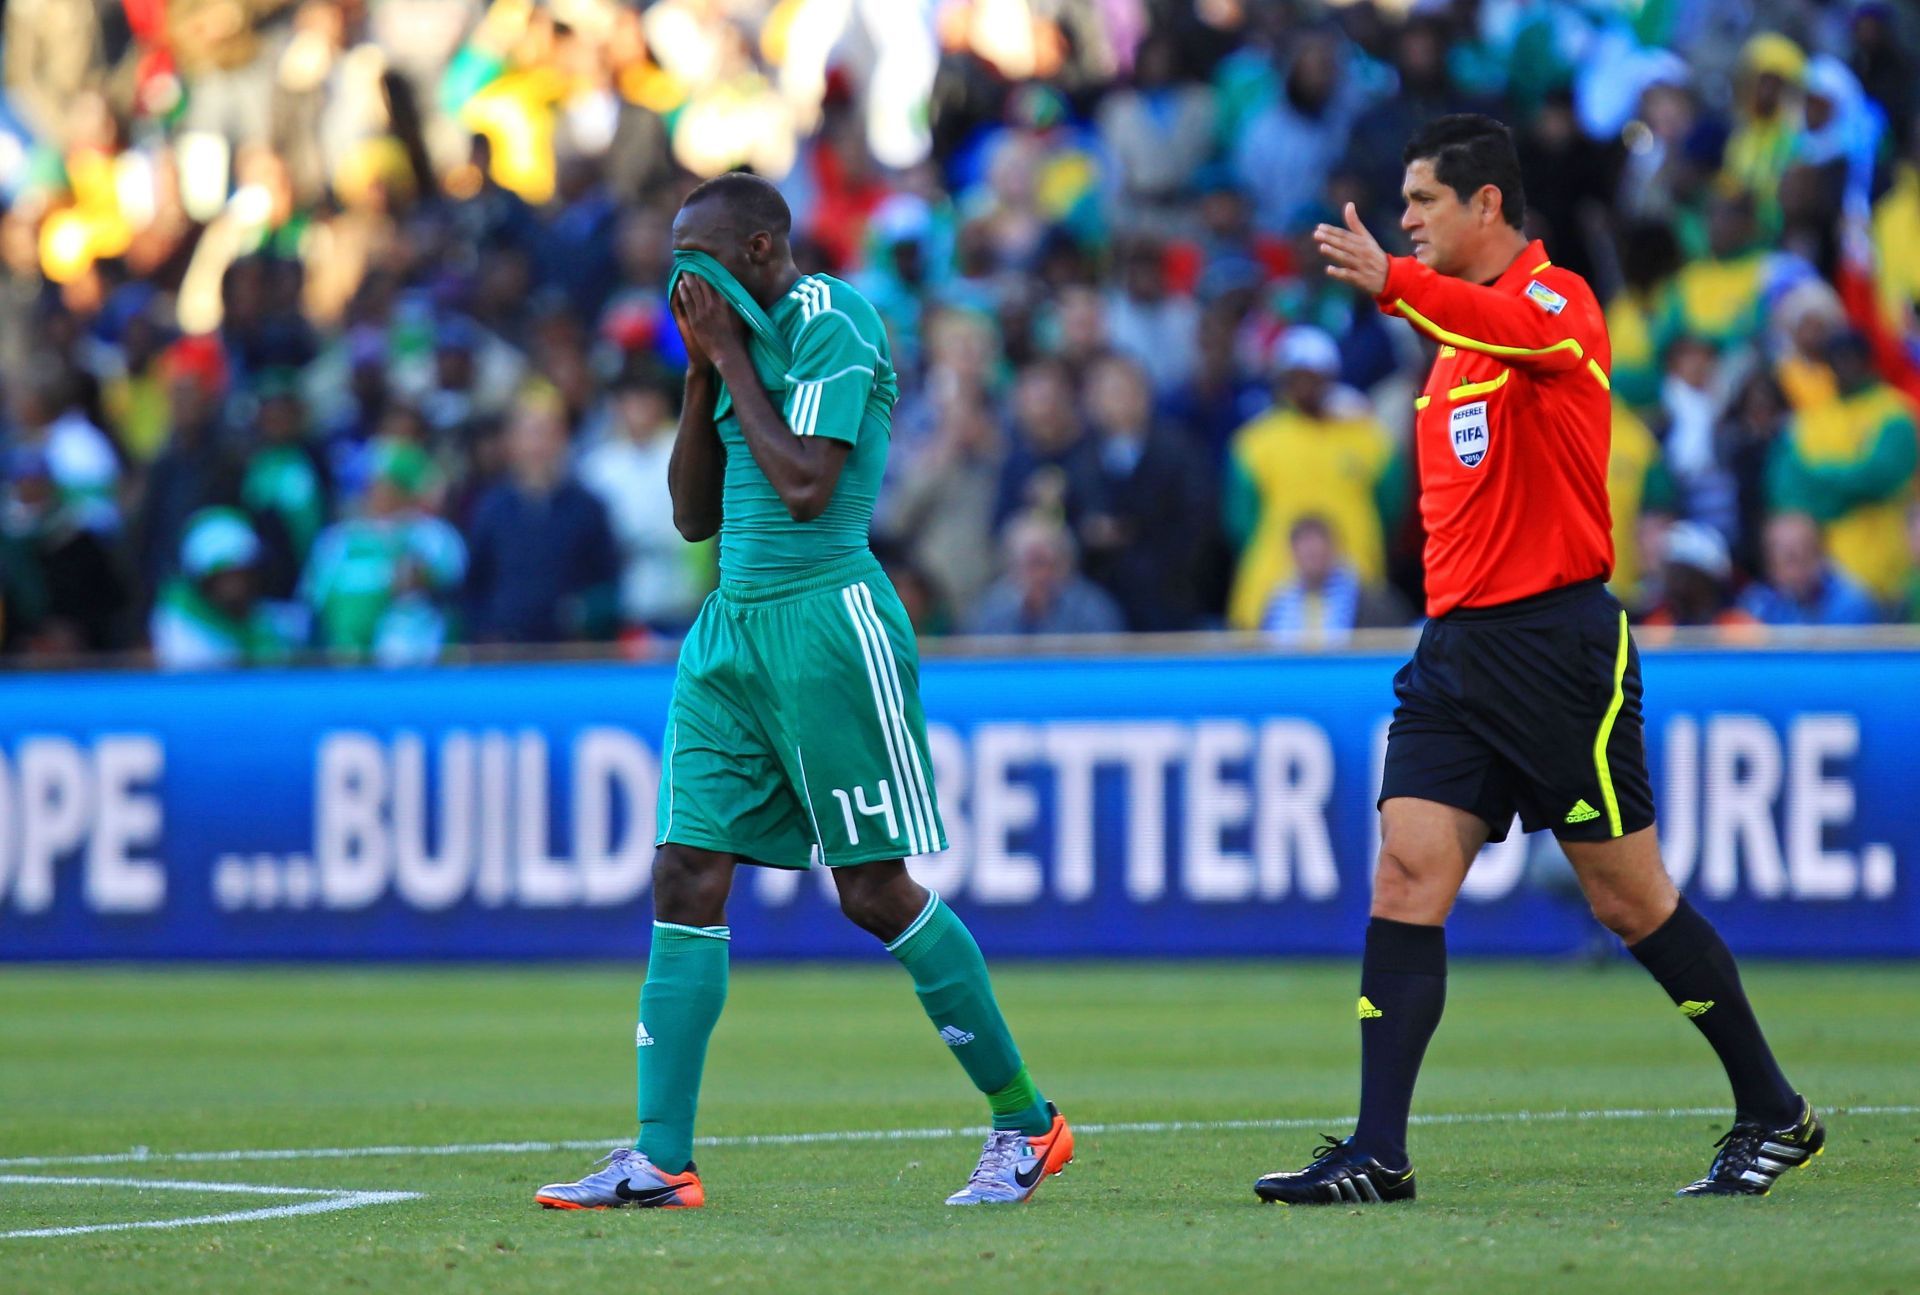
[1532, 707]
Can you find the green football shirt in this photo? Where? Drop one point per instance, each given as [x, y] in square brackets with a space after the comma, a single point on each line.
[841, 385]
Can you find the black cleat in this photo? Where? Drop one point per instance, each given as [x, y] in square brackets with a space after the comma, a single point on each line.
[1753, 1156]
[1339, 1175]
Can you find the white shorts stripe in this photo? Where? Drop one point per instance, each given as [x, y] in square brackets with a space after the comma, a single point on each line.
[806, 792]
[919, 791]
[921, 835]
[879, 706]
[673, 742]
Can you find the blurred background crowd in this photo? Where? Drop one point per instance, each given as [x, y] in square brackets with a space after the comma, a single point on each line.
[337, 325]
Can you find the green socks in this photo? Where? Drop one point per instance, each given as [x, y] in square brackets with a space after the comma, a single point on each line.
[679, 1006]
[951, 978]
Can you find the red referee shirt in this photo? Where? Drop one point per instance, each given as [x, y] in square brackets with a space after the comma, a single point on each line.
[1512, 430]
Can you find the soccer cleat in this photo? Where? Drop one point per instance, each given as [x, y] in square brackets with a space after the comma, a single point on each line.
[1012, 1164]
[1752, 1156]
[1339, 1175]
[629, 1181]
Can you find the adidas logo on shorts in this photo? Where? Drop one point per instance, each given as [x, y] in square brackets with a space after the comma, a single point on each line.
[1582, 813]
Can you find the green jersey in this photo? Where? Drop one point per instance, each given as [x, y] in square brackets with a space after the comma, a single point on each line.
[842, 385]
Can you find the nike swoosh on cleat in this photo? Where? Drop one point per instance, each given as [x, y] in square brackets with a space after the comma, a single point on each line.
[649, 1196]
[1027, 1180]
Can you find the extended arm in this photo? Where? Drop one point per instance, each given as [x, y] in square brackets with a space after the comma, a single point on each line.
[1527, 333]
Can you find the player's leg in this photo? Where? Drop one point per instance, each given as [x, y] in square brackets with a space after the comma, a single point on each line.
[1443, 794]
[1425, 850]
[1030, 1138]
[1631, 894]
[681, 1001]
[1597, 766]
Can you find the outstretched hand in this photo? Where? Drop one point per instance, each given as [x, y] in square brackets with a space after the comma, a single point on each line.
[1352, 254]
[711, 328]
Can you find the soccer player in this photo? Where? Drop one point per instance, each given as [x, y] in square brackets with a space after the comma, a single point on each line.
[796, 734]
[1524, 693]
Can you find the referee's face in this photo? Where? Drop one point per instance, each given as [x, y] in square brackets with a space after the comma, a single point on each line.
[1441, 227]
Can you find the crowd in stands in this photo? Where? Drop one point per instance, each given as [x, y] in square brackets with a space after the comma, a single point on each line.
[338, 325]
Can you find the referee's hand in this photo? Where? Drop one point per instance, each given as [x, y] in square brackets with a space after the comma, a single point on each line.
[1353, 255]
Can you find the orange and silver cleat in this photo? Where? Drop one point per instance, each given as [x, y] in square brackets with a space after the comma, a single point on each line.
[1012, 1164]
[628, 1181]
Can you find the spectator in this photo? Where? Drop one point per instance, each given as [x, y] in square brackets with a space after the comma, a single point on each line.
[1041, 593]
[1850, 465]
[1720, 298]
[80, 459]
[662, 578]
[378, 584]
[1137, 499]
[1767, 126]
[1638, 483]
[1326, 601]
[1691, 402]
[1695, 584]
[1746, 445]
[282, 486]
[1292, 144]
[195, 470]
[943, 510]
[1313, 453]
[1801, 586]
[1148, 322]
[63, 591]
[1221, 397]
[1156, 134]
[211, 615]
[1046, 431]
[545, 566]
[1909, 605]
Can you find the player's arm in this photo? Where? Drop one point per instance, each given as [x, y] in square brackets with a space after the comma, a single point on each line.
[698, 464]
[1526, 332]
[803, 470]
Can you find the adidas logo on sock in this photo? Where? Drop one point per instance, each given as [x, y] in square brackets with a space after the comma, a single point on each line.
[1694, 1007]
[953, 1036]
[641, 1039]
[1368, 1012]
[1582, 812]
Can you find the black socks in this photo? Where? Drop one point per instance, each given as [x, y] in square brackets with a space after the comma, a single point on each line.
[1403, 988]
[1692, 963]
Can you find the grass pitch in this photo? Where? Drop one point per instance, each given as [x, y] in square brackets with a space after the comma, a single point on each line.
[96, 1062]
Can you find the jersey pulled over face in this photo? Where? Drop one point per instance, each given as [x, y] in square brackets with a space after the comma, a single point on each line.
[841, 385]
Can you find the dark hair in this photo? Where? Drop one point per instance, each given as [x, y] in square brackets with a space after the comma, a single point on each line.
[1469, 152]
[753, 203]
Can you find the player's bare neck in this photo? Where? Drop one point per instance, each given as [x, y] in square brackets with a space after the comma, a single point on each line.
[780, 283]
[1503, 247]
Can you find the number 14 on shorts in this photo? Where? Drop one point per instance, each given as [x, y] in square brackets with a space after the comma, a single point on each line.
[857, 802]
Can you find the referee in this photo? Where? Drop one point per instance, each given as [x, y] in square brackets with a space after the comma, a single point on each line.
[1524, 694]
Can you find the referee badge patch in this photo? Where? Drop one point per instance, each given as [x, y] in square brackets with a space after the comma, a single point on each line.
[1467, 432]
[1545, 298]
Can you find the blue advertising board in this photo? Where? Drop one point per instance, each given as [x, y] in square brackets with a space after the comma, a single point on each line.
[1108, 806]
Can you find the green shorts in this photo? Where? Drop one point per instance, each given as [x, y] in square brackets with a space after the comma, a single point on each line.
[796, 734]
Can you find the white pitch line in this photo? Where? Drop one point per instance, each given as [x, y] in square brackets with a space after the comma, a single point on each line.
[144, 1156]
[330, 1200]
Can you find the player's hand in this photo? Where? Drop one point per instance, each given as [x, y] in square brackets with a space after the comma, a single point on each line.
[698, 361]
[1353, 255]
[712, 329]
